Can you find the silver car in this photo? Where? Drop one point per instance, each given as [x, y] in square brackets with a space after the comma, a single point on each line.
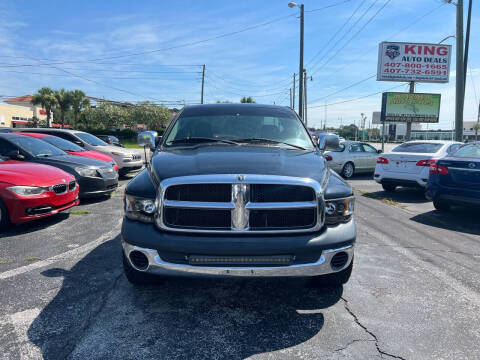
[352, 157]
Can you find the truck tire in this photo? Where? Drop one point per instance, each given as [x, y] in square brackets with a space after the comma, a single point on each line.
[441, 205]
[136, 277]
[388, 187]
[335, 279]
[4, 217]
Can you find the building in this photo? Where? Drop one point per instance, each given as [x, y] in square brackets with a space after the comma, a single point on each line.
[18, 112]
[469, 130]
[397, 131]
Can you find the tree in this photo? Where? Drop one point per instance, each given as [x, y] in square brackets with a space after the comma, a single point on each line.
[245, 100]
[33, 122]
[348, 131]
[64, 102]
[46, 99]
[79, 102]
[476, 127]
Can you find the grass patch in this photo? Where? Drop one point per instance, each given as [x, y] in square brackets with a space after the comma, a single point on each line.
[31, 258]
[131, 144]
[3, 261]
[80, 212]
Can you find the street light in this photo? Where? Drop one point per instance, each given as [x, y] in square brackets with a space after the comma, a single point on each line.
[293, 4]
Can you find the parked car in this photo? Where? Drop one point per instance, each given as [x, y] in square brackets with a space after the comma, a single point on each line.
[110, 140]
[94, 177]
[455, 179]
[238, 190]
[352, 157]
[73, 149]
[31, 191]
[408, 164]
[128, 160]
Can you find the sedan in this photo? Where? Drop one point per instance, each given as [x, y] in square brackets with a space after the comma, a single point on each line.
[352, 157]
[73, 149]
[94, 177]
[408, 164]
[455, 179]
[30, 191]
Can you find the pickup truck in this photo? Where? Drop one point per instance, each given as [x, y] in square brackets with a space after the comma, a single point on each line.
[238, 190]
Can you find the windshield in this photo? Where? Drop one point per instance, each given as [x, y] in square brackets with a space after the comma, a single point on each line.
[278, 129]
[36, 147]
[63, 144]
[90, 139]
[424, 148]
[468, 151]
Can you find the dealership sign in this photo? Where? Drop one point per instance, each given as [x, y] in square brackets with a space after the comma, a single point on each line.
[398, 107]
[399, 61]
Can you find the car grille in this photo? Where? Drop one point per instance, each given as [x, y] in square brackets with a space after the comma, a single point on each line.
[256, 203]
[59, 188]
[136, 156]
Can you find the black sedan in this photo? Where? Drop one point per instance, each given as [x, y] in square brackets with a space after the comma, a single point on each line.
[95, 177]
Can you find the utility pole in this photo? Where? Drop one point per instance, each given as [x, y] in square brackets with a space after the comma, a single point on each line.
[294, 84]
[363, 125]
[300, 68]
[467, 45]
[290, 98]
[203, 82]
[408, 133]
[305, 96]
[325, 120]
[459, 85]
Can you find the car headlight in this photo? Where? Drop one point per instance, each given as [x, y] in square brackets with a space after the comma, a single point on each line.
[88, 172]
[339, 210]
[27, 190]
[138, 208]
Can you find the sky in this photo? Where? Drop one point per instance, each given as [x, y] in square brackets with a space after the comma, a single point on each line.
[154, 50]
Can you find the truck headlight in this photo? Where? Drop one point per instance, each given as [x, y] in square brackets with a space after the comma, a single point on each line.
[27, 190]
[88, 172]
[138, 208]
[339, 210]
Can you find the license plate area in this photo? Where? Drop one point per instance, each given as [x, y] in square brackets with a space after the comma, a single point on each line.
[259, 260]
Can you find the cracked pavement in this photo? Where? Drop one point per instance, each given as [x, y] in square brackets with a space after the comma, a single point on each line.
[414, 294]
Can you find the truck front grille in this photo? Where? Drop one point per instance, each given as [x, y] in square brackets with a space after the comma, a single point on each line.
[240, 203]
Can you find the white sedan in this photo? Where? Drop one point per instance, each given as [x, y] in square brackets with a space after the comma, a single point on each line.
[408, 164]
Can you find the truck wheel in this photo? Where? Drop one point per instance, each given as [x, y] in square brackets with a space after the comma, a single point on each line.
[348, 170]
[440, 205]
[4, 217]
[134, 276]
[334, 279]
[388, 187]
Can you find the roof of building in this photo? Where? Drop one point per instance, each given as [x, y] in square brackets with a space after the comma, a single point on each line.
[24, 98]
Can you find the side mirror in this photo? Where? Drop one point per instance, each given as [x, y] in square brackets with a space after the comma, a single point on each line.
[379, 151]
[15, 155]
[147, 139]
[328, 142]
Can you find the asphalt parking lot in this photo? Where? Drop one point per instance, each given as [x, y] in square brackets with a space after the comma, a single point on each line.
[414, 293]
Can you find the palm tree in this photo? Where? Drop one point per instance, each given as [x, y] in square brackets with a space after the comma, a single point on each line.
[46, 99]
[79, 102]
[64, 102]
[476, 127]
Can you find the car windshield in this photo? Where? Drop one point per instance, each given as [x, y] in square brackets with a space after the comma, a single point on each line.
[63, 144]
[90, 139]
[278, 128]
[468, 151]
[36, 147]
[424, 148]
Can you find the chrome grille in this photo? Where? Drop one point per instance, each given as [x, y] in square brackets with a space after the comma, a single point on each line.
[240, 203]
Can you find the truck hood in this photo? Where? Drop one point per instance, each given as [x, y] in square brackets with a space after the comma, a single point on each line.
[231, 159]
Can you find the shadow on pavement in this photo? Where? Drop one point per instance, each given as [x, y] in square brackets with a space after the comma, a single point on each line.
[400, 195]
[98, 314]
[460, 219]
[34, 225]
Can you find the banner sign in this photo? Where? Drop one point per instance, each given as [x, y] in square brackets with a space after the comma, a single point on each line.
[399, 61]
[406, 107]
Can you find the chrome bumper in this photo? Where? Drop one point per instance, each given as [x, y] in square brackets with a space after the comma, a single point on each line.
[159, 267]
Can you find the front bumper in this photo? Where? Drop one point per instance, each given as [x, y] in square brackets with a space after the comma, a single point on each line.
[90, 187]
[154, 244]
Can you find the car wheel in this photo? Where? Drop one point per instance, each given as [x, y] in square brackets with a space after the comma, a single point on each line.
[388, 187]
[348, 170]
[4, 217]
[136, 277]
[441, 205]
[335, 279]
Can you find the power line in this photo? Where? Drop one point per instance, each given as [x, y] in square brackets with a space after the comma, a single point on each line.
[240, 94]
[326, 7]
[249, 87]
[345, 88]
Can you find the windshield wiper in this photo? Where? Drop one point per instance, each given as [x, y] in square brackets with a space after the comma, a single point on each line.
[247, 140]
[197, 140]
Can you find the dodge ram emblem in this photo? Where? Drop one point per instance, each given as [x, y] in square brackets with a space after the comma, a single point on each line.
[240, 177]
[240, 214]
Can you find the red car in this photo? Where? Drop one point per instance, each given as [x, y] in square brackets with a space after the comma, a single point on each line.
[71, 148]
[30, 191]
